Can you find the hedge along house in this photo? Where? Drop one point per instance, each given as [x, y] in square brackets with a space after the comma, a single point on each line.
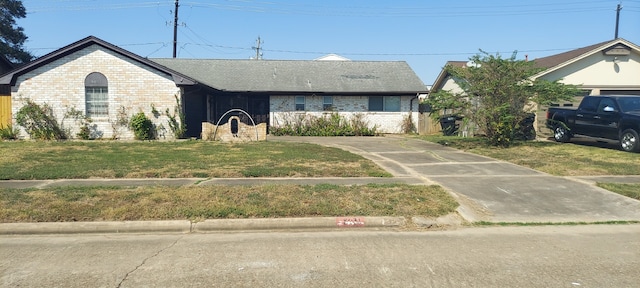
[102, 80]
[610, 67]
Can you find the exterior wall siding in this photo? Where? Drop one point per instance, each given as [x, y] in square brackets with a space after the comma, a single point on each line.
[282, 111]
[599, 70]
[131, 85]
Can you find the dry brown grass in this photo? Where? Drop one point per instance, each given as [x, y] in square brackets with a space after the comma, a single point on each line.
[209, 202]
[106, 159]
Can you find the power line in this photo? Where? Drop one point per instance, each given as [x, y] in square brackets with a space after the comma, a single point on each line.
[432, 10]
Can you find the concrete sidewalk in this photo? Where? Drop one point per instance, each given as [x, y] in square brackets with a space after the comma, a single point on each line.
[487, 190]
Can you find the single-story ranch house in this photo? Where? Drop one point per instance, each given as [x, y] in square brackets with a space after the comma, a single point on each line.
[106, 82]
[610, 67]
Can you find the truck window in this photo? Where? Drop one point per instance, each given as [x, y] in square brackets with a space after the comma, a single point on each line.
[590, 104]
[604, 103]
[628, 104]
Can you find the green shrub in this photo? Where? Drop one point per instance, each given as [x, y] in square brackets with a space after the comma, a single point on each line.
[9, 133]
[39, 122]
[327, 125]
[142, 127]
[85, 132]
[177, 120]
[81, 119]
[121, 121]
[408, 126]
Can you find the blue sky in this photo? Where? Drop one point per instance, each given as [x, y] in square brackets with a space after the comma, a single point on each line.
[425, 34]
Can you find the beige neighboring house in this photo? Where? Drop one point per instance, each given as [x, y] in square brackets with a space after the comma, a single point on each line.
[610, 67]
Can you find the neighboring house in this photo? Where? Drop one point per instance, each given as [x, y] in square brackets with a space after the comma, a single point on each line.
[102, 79]
[611, 67]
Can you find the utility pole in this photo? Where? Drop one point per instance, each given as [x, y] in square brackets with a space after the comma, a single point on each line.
[617, 19]
[175, 30]
[257, 48]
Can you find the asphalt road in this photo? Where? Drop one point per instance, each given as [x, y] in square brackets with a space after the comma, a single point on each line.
[542, 256]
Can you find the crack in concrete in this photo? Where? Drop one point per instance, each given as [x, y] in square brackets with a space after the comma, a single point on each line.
[145, 261]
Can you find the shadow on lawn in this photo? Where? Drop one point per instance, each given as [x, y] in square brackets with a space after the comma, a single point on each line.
[590, 142]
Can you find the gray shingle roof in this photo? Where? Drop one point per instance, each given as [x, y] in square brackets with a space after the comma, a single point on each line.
[300, 75]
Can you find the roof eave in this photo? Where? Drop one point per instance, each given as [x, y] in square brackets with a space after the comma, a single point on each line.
[11, 77]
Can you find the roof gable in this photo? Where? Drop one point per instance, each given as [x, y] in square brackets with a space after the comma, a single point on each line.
[558, 61]
[290, 76]
[443, 76]
[11, 77]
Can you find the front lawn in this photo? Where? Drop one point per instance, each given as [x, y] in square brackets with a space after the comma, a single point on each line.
[22, 160]
[210, 202]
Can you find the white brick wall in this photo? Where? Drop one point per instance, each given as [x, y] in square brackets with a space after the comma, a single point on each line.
[282, 108]
[131, 85]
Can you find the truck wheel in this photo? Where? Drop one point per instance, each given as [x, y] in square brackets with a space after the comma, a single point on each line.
[560, 134]
[629, 141]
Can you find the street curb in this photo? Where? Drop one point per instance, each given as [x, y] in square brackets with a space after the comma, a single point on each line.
[297, 223]
[173, 226]
[186, 226]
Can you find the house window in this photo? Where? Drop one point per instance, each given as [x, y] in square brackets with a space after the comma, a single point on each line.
[96, 95]
[327, 103]
[300, 103]
[386, 103]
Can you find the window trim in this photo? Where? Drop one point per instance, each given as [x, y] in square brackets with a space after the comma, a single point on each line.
[96, 95]
[384, 103]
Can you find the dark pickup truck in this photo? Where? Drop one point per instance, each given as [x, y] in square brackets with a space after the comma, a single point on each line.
[609, 117]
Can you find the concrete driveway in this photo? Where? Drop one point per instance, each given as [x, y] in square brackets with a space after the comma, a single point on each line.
[488, 189]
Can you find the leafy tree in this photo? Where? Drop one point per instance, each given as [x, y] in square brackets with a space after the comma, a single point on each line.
[497, 95]
[12, 37]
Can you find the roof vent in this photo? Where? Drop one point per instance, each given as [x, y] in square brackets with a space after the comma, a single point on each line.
[617, 50]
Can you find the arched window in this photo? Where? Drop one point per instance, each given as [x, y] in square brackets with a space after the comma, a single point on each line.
[96, 95]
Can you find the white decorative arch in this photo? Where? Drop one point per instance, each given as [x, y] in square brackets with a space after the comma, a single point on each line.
[236, 110]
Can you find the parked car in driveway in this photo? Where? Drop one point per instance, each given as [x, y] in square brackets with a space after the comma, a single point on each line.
[611, 117]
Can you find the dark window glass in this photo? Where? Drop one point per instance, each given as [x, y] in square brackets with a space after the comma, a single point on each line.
[590, 104]
[300, 101]
[376, 103]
